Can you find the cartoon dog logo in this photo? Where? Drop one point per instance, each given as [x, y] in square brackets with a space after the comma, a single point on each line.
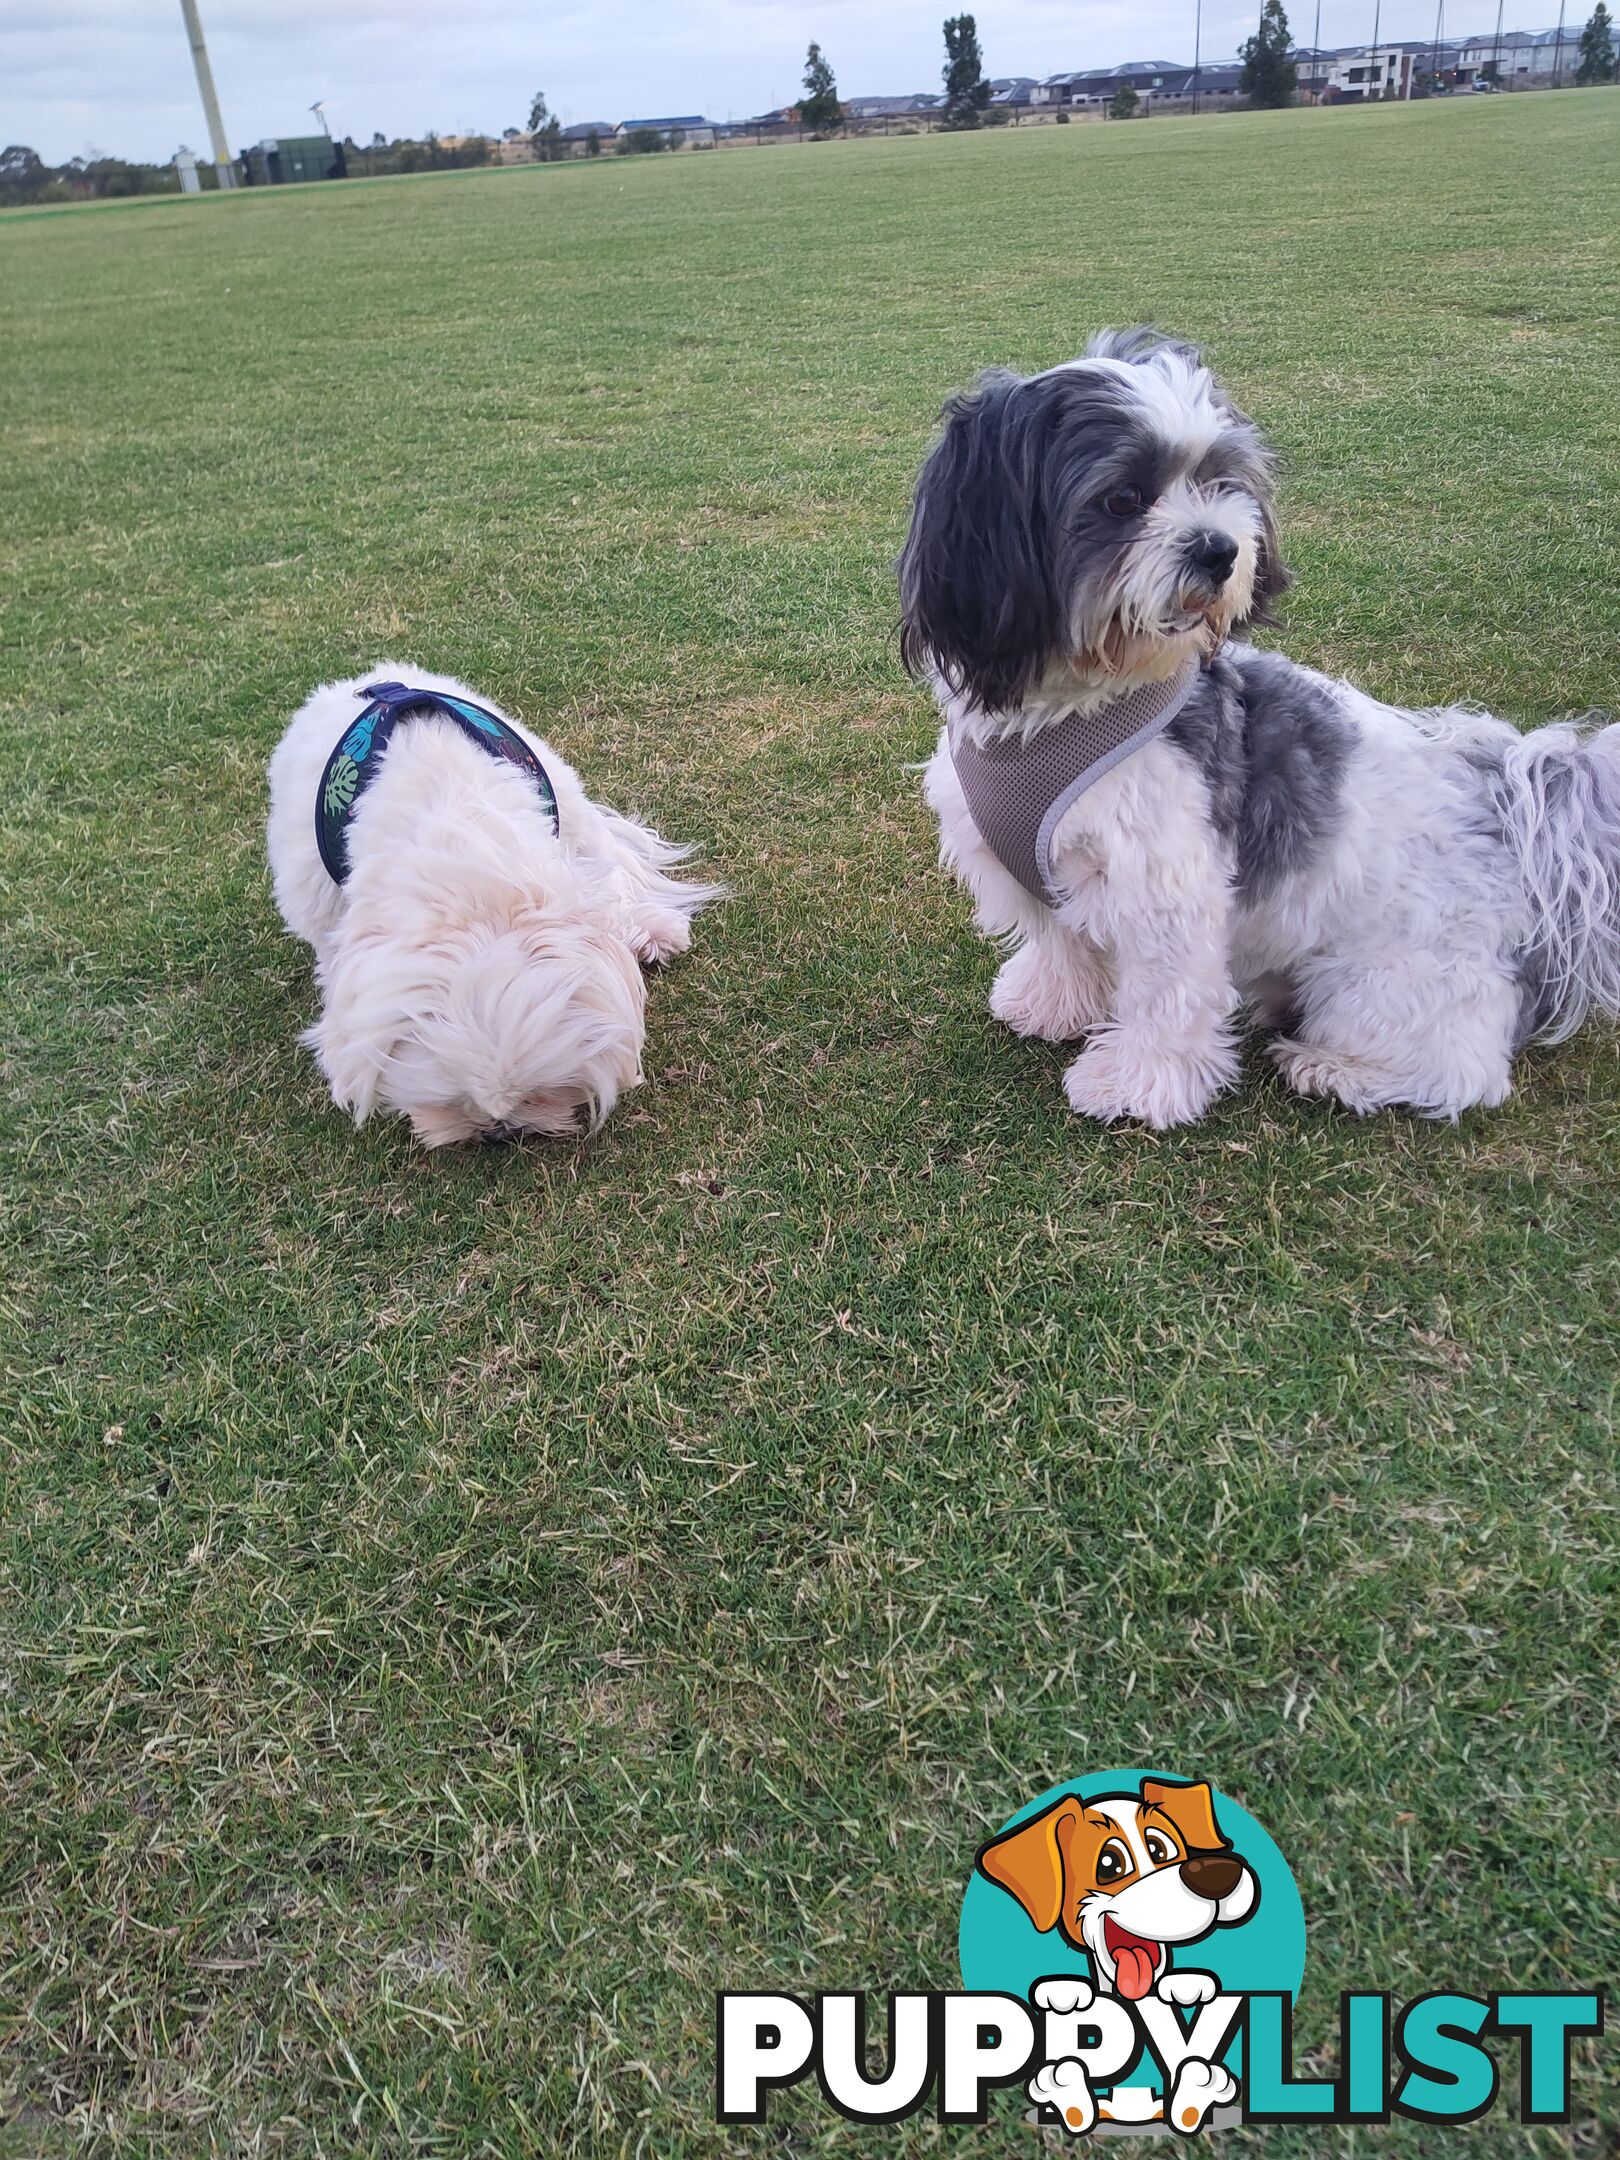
[1129, 1879]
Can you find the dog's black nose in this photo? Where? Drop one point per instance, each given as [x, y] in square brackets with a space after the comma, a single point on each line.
[1213, 554]
[1211, 1875]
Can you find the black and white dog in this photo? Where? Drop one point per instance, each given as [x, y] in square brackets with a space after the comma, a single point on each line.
[1410, 896]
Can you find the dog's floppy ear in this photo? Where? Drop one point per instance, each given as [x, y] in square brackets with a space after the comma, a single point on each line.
[1272, 576]
[1028, 1861]
[1253, 463]
[977, 598]
[1191, 1808]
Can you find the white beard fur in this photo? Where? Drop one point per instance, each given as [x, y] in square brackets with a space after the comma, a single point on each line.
[478, 972]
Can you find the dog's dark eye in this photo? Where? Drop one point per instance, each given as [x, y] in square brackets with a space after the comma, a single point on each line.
[1159, 1848]
[1113, 1862]
[1123, 502]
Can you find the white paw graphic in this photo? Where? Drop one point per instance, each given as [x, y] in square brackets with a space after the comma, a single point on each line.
[1199, 2087]
[1065, 2087]
[1063, 1997]
[1187, 1988]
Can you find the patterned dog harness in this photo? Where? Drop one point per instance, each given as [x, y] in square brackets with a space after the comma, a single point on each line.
[1017, 791]
[352, 766]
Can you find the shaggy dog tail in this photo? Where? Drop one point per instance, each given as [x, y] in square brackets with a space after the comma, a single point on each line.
[1558, 797]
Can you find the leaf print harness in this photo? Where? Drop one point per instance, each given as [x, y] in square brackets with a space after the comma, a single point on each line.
[353, 764]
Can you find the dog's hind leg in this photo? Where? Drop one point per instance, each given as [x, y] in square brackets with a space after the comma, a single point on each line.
[1431, 1031]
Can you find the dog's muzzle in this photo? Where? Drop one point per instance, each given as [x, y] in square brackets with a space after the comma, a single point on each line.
[1212, 556]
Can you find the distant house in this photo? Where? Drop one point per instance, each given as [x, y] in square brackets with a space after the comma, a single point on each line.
[1362, 75]
[577, 139]
[1012, 91]
[1209, 88]
[1523, 59]
[893, 108]
[691, 129]
[1097, 87]
[1312, 66]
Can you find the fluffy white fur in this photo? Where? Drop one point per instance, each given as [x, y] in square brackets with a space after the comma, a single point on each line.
[1465, 864]
[478, 972]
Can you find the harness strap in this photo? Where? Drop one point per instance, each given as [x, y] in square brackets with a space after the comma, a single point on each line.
[353, 764]
[1018, 789]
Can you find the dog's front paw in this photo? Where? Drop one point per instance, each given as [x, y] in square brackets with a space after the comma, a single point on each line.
[1050, 992]
[1199, 2087]
[1187, 1988]
[1121, 1075]
[1065, 2088]
[658, 934]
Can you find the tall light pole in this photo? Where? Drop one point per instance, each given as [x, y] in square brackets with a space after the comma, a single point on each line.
[1198, 39]
[223, 165]
[1558, 49]
[1316, 57]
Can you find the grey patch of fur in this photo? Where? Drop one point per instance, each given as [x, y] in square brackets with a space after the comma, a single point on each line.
[1272, 746]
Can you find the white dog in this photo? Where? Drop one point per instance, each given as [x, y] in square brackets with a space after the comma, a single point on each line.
[478, 921]
[1160, 825]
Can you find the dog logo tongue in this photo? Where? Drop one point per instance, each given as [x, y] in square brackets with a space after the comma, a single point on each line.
[1134, 1964]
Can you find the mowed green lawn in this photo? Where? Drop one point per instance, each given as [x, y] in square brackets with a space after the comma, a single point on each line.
[459, 1611]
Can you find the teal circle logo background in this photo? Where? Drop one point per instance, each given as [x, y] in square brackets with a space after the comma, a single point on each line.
[1002, 1951]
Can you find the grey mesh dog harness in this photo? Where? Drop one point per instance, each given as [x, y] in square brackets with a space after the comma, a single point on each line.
[1017, 791]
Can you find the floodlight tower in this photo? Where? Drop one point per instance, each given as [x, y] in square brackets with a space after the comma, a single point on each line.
[223, 164]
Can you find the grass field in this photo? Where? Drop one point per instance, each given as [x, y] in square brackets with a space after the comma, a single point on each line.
[458, 1611]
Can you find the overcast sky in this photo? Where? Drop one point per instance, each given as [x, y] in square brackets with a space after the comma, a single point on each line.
[116, 74]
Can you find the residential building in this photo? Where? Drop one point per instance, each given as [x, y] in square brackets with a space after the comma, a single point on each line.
[1363, 75]
[893, 108]
[1523, 58]
[684, 131]
[1312, 64]
[1215, 88]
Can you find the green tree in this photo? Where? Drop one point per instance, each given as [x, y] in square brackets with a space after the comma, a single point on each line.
[23, 174]
[548, 142]
[966, 91]
[539, 112]
[593, 144]
[640, 142]
[1597, 48]
[1269, 77]
[1122, 105]
[819, 109]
